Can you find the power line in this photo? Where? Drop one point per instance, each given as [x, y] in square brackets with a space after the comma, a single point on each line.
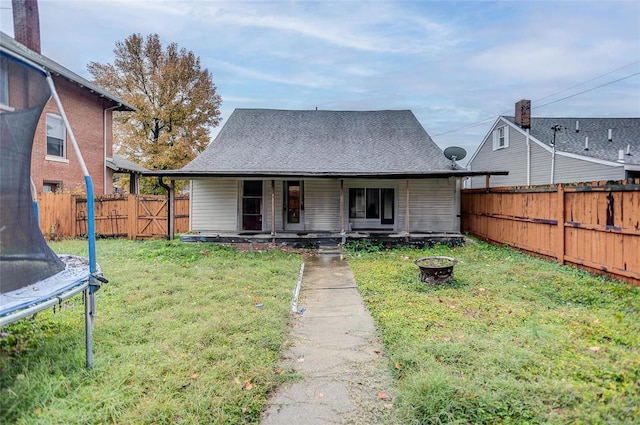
[484, 121]
[586, 91]
[588, 81]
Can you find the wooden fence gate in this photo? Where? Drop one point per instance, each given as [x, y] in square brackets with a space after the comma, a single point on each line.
[65, 216]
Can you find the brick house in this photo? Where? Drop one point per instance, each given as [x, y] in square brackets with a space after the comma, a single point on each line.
[89, 109]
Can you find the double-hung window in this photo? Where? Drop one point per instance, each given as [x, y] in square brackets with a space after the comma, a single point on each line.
[501, 138]
[4, 85]
[56, 146]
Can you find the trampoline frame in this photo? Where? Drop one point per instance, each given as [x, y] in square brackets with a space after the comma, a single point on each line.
[89, 282]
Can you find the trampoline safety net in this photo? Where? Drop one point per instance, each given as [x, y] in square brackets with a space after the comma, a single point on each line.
[25, 257]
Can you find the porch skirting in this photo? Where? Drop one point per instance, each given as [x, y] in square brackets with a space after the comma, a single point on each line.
[316, 240]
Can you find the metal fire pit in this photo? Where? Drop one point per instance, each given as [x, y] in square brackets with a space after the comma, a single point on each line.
[436, 270]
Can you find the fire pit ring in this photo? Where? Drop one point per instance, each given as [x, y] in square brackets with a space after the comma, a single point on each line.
[436, 270]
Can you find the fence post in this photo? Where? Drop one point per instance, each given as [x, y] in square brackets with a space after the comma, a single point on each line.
[560, 216]
[73, 207]
[132, 216]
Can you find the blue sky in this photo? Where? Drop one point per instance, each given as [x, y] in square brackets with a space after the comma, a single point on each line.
[454, 64]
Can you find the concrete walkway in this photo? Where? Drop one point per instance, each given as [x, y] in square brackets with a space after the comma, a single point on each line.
[335, 347]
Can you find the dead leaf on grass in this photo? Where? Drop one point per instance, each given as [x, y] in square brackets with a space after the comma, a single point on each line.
[383, 396]
[398, 366]
[247, 384]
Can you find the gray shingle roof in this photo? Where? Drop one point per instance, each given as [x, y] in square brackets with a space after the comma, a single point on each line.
[269, 141]
[121, 164]
[625, 132]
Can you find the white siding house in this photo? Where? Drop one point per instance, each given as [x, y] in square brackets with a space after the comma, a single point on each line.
[539, 151]
[279, 172]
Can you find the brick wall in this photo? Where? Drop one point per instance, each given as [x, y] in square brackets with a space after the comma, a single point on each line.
[85, 113]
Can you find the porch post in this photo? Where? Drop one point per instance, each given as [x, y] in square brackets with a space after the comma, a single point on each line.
[273, 210]
[342, 233]
[406, 219]
[172, 212]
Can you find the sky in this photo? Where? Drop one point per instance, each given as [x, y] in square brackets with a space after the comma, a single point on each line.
[458, 65]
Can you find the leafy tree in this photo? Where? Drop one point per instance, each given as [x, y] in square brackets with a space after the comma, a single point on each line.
[175, 98]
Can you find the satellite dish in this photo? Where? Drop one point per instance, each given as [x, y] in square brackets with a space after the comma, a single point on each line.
[455, 153]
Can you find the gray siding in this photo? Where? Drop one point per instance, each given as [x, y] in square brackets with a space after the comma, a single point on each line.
[214, 205]
[322, 205]
[512, 158]
[432, 206]
[571, 170]
[540, 165]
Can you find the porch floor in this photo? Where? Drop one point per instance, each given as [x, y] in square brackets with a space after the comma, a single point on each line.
[319, 239]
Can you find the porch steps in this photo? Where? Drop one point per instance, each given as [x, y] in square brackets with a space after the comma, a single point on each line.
[329, 249]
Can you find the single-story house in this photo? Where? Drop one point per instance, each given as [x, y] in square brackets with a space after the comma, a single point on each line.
[283, 173]
[538, 150]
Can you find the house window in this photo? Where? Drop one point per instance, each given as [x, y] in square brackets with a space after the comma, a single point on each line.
[55, 136]
[252, 205]
[54, 187]
[4, 84]
[501, 138]
[372, 204]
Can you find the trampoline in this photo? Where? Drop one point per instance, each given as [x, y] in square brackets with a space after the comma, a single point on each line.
[32, 276]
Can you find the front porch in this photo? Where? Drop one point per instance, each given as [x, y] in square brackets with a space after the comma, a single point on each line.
[318, 239]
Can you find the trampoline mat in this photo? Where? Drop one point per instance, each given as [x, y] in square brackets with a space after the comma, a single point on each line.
[75, 273]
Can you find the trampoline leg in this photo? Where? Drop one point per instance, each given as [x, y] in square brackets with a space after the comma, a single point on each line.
[88, 323]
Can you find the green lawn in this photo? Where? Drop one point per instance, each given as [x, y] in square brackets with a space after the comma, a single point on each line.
[178, 338]
[512, 340]
[191, 333]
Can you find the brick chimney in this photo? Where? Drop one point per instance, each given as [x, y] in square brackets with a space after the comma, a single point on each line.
[523, 113]
[26, 23]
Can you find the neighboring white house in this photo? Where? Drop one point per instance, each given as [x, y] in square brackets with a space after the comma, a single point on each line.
[539, 151]
[282, 171]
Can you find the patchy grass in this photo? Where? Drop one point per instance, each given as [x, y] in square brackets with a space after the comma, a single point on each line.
[185, 333]
[512, 340]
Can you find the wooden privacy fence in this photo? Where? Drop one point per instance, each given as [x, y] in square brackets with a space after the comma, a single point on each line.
[63, 215]
[593, 225]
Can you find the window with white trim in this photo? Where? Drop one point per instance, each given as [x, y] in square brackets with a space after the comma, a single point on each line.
[501, 138]
[56, 136]
[4, 83]
[375, 204]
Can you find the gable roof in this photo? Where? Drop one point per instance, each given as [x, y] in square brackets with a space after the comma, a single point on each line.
[12, 46]
[625, 132]
[262, 142]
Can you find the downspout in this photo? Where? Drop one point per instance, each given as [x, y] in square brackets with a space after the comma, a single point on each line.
[104, 145]
[528, 159]
[273, 211]
[406, 214]
[343, 235]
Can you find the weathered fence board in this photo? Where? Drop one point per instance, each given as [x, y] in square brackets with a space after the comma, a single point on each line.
[63, 215]
[595, 225]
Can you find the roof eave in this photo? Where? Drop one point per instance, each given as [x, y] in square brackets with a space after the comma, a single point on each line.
[182, 174]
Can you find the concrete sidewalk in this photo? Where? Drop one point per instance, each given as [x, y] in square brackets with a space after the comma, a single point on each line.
[335, 347]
